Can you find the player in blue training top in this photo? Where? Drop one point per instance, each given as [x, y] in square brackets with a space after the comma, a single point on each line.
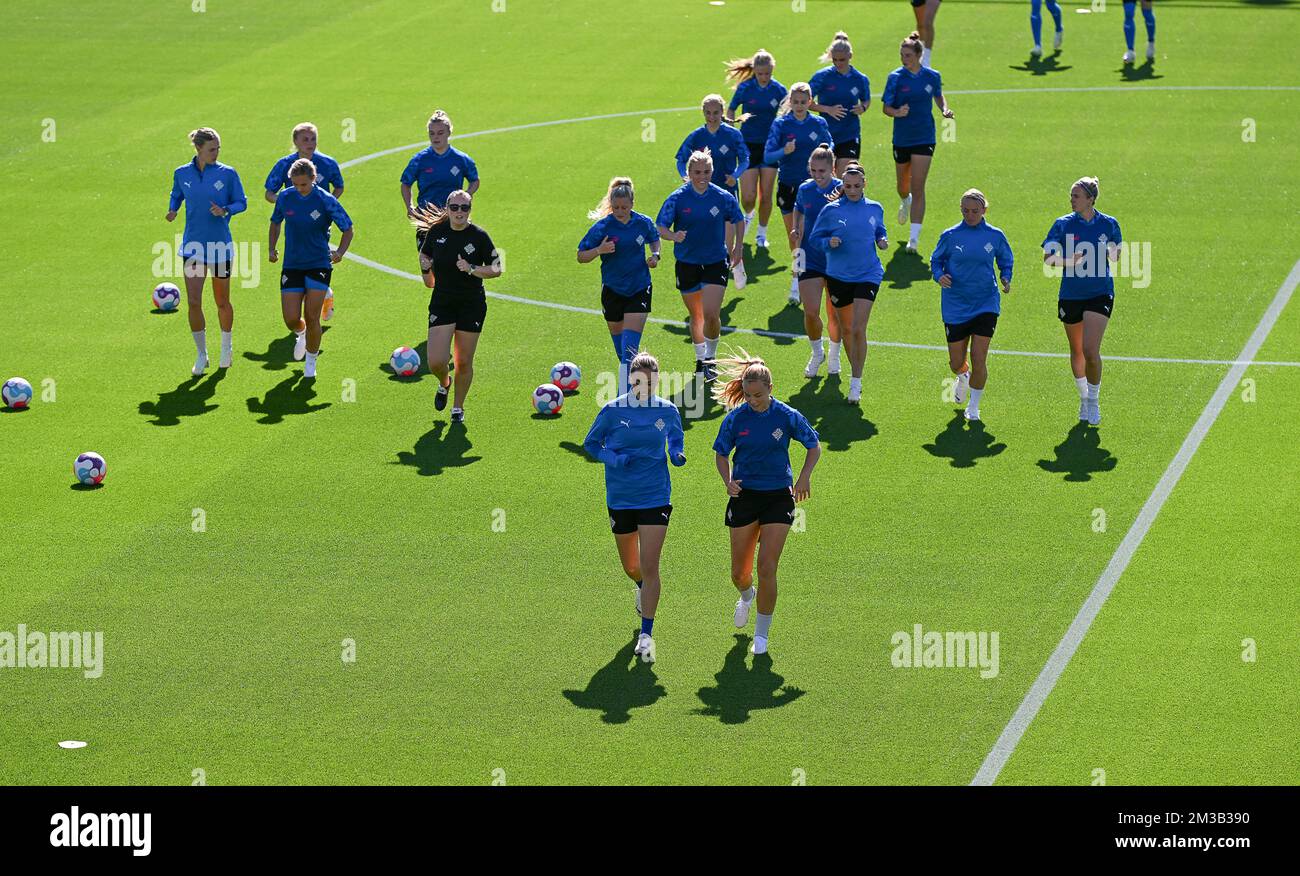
[309, 211]
[758, 96]
[703, 221]
[1130, 29]
[1036, 25]
[629, 437]
[1083, 244]
[963, 266]
[810, 262]
[909, 91]
[726, 145]
[794, 135]
[437, 171]
[759, 481]
[619, 238]
[841, 94]
[849, 231]
[212, 193]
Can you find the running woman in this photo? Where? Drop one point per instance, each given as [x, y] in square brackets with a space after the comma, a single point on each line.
[731, 158]
[1130, 29]
[925, 12]
[327, 169]
[437, 171]
[811, 197]
[850, 229]
[703, 221]
[456, 256]
[619, 239]
[908, 93]
[1084, 243]
[760, 96]
[794, 135]
[761, 486]
[841, 94]
[1036, 25]
[308, 262]
[212, 193]
[629, 437]
[963, 266]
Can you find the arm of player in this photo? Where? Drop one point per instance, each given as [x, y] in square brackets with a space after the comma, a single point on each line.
[594, 443]
[676, 439]
[1005, 262]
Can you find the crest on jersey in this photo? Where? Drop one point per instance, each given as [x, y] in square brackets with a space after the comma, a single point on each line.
[812, 135]
[775, 103]
[724, 149]
[454, 170]
[469, 249]
[218, 185]
[713, 211]
[777, 433]
[315, 214]
[659, 424]
[988, 247]
[929, 89]
[640, 240]
[854, 91]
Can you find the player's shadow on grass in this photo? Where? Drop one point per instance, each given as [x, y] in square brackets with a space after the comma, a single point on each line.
[788, 321]
[964, 443]
[441, 448]
[189, 399]
[1080, 455]
[694, 400]
[1042, 66]
[578, 450]
[1139, 72]
[617, 688]
[290, 397]
[905, 268]
[759, 263]
[422, 349]
[279, 353]
[741, 690]
[838, 423]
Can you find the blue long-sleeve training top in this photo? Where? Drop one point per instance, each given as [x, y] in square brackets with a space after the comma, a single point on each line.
[967, 253]
[629, 437]
[216, 184]
[858, 225]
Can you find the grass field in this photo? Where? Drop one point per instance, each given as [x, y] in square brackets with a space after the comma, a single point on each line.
[480, 650]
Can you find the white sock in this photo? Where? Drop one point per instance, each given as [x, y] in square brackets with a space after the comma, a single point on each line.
[974, 403]
[834, 348]
[711, 347]
[762, 229]
[855, 383]
[225, 341]
[1093, 390]
[702, 351]
[925, 56]
[201, 341]
[762, 624]
[748, 595]
[816, 347]
[916, 231]
[309, 370]
[1082, 383]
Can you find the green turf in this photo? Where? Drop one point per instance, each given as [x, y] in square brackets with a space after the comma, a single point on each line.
[480, 650]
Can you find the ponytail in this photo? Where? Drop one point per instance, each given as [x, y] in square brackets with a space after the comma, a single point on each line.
[735, 371]
[839, 44]
[619, 187]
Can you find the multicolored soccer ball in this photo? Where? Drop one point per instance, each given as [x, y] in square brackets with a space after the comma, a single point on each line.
[17, 393]
[566, 376]
[548, 399]
[166, 296]
[89, 468]
[405, 362]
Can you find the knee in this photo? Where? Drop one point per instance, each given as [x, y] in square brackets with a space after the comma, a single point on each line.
[741, 578]
[766, 570]
[633, 571]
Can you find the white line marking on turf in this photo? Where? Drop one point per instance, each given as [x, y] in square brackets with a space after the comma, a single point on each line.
[1051, 672]
[775, 334]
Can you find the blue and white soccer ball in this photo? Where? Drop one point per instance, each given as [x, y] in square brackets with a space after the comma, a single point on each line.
[17, 393]
[548, 399]
[166, 296]
[566, 376]
[89, 468]
[405, 362]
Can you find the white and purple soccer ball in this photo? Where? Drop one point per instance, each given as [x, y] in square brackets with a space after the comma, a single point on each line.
[17, 393]
[89, 468]
[166, 296]
[566, 376]
[548, 399]
[405, 362]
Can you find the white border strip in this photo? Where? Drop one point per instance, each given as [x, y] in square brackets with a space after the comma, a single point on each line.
[1051, 672]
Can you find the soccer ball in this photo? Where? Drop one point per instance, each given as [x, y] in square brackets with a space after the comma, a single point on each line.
[405, 361]
[89, 468]
[166, 296]
[17, 393]
[566, 376]
[548, 399]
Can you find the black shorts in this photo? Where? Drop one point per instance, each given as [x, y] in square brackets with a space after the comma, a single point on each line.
[1071, 311]
[625, 520]
[843, 294]
[466, 312]
[903, 154]
[920, 2]
[219, 269]
[848, 149]
[811, 275]
[983, 325]
[756, 156]
[296, 279]
[763, 506]
[615, 306]
[691, 277]
[785, 198]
